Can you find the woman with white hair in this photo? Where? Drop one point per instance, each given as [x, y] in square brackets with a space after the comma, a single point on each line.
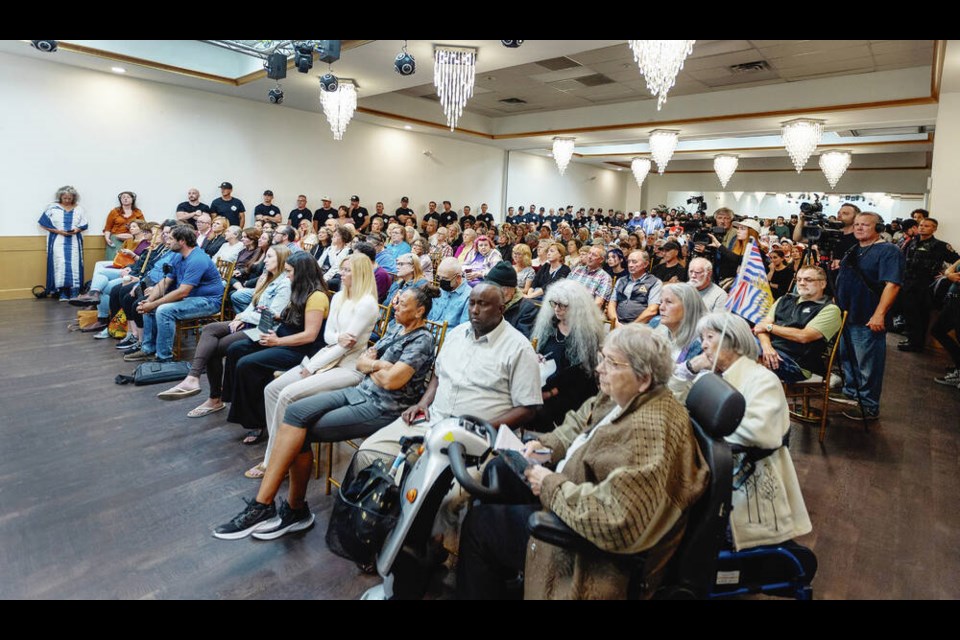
[230, 249]
[569, 332]
[680, 310]
[768, 506]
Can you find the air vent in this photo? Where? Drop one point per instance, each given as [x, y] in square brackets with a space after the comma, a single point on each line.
[556, 64]
[513, 101]
[750, 67]
[595, 80]
[888, 131]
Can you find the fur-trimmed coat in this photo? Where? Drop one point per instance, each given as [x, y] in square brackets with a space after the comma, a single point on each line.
[627, 489]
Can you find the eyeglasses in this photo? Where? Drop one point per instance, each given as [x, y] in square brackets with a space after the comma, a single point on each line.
[406, 262]
[557, 305]
[809, 279]
[604, 360]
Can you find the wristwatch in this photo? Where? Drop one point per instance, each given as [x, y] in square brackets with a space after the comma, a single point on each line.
[770, 328]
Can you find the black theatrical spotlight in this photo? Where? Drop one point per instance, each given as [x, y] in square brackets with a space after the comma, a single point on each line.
[512, 44]
[47, 46]
[303, 57]
[329, 82]
[404, 63]
[276, 66]
[275, 95]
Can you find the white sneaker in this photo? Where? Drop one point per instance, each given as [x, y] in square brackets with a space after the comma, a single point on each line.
[835, 381]
[103, 334]
[952, 379]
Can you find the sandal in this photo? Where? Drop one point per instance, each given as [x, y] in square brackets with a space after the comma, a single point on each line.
[201, 411]
[255, 436]
[256, 472]
[176, 393]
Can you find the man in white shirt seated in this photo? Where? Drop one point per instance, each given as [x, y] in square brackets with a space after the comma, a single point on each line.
[486, 369]
[700, 272]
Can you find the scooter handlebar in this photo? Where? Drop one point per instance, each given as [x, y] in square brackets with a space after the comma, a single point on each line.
[458, 466]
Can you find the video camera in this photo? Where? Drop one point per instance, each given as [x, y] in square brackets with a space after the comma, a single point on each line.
[698, 200]
[817, 229]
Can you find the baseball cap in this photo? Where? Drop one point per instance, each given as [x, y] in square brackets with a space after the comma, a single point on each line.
[226, 185]
[266, 193]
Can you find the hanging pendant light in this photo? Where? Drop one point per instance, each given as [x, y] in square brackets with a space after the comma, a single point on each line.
[801, 137]
[640, 168]
[454, 71]
[660, 62]
[725, 165]
[339, 105]
[833, 164]
[562, 152]
[663, 142]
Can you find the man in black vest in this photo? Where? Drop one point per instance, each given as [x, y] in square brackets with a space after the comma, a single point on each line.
[926, 257]
[637, 296]
[794, 335]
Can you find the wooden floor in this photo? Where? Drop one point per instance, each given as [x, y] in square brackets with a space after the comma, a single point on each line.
[108, 492]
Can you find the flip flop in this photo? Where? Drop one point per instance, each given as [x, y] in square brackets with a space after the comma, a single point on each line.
[201, 411]
[176, 393]
[254, 436]
[256, 472]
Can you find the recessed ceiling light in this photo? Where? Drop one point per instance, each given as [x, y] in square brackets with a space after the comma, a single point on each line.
[118, 69]
[407, 127]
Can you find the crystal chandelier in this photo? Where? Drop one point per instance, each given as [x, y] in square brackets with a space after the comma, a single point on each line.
[640, 168]
[453, 75]
[562, 152]
[725, 165]
[663, 142]
[833, 164]
[801, 137]
[339, 106]
[660, 61]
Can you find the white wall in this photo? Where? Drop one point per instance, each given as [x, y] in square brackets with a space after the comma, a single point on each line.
[535, 179]
[946, 168]
[104, 133]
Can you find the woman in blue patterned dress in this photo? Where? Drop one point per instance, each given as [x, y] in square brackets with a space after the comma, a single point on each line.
[64, 220]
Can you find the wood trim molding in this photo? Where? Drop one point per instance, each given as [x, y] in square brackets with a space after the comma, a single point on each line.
[929, 140]
[425, 123]
[785, 170]
[936, 72]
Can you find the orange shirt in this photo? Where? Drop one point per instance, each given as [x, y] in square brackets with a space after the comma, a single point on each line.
[116, 223]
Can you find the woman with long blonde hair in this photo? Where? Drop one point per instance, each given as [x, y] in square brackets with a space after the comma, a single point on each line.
[353, 312]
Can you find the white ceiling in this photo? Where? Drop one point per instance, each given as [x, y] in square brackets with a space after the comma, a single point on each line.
[799, 76]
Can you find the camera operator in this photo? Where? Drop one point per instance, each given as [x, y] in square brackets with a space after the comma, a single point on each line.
[868, 281]
[846, 215]
[925, 258]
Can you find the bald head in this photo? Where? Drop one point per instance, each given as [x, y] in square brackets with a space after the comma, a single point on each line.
[449, 268]
[486, 308]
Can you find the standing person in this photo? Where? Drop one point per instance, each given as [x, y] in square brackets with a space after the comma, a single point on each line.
[188, 210]
[360, 215]
[64, 221]
[300, 214]
[404, 213]
[117, 226]
[267, 210]
[925, 258]
[324, 213]
[448, 216]
[868, 282]
[229, 207]
[949, 320]
[484, 215]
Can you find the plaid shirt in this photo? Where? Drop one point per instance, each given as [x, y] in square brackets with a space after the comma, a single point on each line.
[598, 282]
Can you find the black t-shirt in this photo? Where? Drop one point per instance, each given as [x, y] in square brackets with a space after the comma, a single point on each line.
[665, 273]
[192, 208]
[846, 241]
[359, 215]
[404, 212]
[229, 209]
[432, 216]
[298, 215]
[782, 279]
[466, 219]
[485, 217]
[321, 215]
[447, 217]
[266, 210]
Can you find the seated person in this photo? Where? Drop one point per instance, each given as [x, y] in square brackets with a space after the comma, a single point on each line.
[768, 506]
[395, 371]
[551, 272]
[383, 279]
[590, 274]
[486, 368]
[700, 272]
[230, 250]
[333, 255]
[670, 269]
[628, 469]
[477, 263]
[421, 249]
[637, 295]
[409, 274]
[569, 333]
[795, 333]
[192, 289]
[353, 312]
[107, 271]
[385, 258]
[680, 311]
[272, 295]
[452, 305]
[520, 312]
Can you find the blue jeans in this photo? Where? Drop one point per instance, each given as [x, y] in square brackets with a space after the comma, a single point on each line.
[789, 371]
[160, 325]
[241, 299]
[103, 272]
[870, 352]
[103, 307]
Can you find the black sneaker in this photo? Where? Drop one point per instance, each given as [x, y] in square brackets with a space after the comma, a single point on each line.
[290, 520]
[952, 379]
[256, 516]
[128, 341]
[865, 416]
[136, 346]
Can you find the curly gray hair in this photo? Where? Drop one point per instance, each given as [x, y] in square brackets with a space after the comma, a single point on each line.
[583, 317]
[65, 190]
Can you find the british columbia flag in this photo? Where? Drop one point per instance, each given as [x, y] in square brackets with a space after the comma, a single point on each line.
[750, 296]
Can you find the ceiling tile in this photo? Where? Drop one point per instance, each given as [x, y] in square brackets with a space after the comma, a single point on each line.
[744, 80]
[820, 58]
[905, 59]
[807, 46]
[897, 46]
[724, 60]
[704, 48]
